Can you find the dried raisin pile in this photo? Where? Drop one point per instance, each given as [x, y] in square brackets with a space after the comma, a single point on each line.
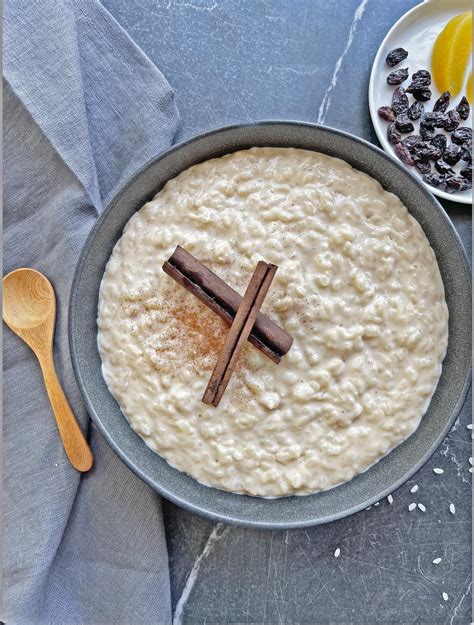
[426, 148]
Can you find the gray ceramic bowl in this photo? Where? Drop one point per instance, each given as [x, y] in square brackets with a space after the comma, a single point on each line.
[380, 479]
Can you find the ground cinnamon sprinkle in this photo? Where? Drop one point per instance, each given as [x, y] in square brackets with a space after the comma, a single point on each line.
[202, 333]
[186, 334]
[182, 334]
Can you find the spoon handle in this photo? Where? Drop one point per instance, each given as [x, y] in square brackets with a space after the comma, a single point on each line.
[75, 445]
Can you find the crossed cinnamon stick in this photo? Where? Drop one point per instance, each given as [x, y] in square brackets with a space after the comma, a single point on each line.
[242, 313]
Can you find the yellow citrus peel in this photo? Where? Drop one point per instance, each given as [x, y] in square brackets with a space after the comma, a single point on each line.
[451, 53]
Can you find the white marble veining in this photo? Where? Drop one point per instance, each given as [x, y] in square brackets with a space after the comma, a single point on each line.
[323, 109]
[218, 532]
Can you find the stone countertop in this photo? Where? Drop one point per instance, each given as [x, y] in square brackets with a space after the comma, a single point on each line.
[244, 60]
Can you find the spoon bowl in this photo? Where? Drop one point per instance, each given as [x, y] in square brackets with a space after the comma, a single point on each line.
[28, 299]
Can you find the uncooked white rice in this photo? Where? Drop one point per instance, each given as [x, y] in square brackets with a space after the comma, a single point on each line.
[337, 553]
[452, 508]
[438, 471]
[390, 499]
[411, 507]
[436, 560]
[413, 489]
[445, 596]
[421, 507]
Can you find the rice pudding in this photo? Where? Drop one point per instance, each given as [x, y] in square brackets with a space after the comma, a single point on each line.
[358, 287]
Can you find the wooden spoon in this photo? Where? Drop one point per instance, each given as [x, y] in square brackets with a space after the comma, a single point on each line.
[29, 309]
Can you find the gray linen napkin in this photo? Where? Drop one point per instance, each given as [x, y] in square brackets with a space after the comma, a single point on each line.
[83, 109]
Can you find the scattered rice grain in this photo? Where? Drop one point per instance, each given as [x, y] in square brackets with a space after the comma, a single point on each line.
[445, 596]
[421, 507]
[452, 508]
[436, 560]
[413, 489]
[411, 507]
[377, 504]
[390, 499]
[438, 471]
[470, 460]
[337, 553]
[469, 426]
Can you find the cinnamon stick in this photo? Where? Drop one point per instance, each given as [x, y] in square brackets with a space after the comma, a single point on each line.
[239, 331]
[204, 284]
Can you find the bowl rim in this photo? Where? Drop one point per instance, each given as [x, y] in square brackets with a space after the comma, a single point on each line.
[163, 490]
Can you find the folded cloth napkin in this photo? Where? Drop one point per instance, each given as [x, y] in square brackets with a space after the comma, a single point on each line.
[83, 109]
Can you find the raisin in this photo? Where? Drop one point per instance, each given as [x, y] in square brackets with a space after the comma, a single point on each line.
[433, 120]
[434, 179]
[412, 142]
[463, 108]
[427, 120]
[467, 172]
[394, 57]
[427, 152]
[457, 183]
[426, 133]
[424, 167]
[416, 85]
[422, 95]
[403, 154]
[442, 102]
[452, 121]
[461, 135]
[440, 141]
[422, 76]
[399, 101]
[466, 151]
[416, 110]
[403, 124]
[452, 154]
[397, 77]
[443, 167]
[393, 135]
[386, 113]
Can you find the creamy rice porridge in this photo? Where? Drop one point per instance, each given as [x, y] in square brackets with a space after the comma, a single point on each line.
[358, 287]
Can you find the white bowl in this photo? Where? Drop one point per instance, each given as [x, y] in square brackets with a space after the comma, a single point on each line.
[416, 31]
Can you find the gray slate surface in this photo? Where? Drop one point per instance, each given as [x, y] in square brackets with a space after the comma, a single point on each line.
[243, 60]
